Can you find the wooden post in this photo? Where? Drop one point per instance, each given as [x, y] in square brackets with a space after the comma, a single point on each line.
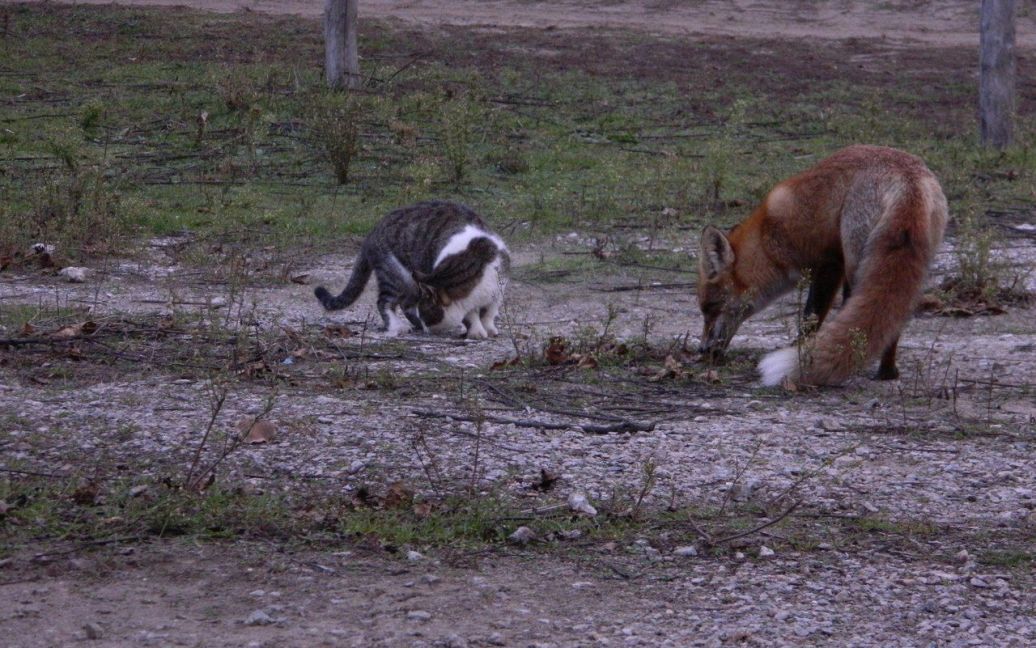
[996, 72]
[341, 60]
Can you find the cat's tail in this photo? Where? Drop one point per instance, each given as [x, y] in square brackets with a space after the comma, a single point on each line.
[357, 282]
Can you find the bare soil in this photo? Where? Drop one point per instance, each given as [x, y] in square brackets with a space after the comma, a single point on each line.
[940, 464]
[933, 22]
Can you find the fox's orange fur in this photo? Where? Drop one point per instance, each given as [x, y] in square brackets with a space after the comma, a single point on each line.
[869, 217]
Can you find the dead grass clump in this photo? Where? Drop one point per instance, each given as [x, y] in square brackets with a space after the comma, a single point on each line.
[334, 131]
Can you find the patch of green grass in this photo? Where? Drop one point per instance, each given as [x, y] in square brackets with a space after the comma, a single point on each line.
[910, 528]
[15, 318]
[1009, 558]
[547, 145]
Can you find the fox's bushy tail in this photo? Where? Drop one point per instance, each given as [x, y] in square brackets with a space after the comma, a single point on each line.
[357, 282]
[884, 293]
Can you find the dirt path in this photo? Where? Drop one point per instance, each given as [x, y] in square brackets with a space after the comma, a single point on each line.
[949, 23]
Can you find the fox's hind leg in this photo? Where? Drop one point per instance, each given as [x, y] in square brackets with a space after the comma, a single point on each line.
[821, 296]
[887, 369]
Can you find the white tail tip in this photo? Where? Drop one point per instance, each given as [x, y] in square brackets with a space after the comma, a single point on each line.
[776, 366]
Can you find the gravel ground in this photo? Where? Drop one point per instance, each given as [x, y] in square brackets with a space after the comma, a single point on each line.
[942, 448]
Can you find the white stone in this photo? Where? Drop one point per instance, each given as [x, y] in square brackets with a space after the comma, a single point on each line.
[74, 274]
[578, 502]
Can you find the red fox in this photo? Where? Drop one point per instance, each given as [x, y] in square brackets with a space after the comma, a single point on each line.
[868, 217]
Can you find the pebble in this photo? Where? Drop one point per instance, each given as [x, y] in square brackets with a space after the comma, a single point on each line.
[765, 552]
[580, 504]
[74, 274]
[523, 535]
[93, 631]
[259, 618]
[688, 551]
[418, 615]
[414, 556]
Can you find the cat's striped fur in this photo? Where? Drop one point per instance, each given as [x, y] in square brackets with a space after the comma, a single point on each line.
[437, 262]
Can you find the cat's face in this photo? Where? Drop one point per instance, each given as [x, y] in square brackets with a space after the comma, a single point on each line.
[431, 313]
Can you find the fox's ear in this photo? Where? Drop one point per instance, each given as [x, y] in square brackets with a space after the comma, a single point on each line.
[716, 254]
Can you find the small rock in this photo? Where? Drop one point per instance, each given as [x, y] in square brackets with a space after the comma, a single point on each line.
[496, 639]
[765, 552]
[581, 585]
[357, 466]
[870, 508]
[739, 556]
[572, 534]
[259, 618]
[580, 504]
[74, 274]
[418, 615]
[414, 556]
[217, 302]
[963, 555]
[452, 641]
[93, 631]
[688, 551]
[257, 593]
[978, 582]
[523, 535]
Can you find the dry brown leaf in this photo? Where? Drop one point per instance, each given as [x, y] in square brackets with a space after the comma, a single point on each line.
[710, 376]
[66, 332]
[86, 494]
[500, 364]
[422, 509]
[256, 368]
[399, 495]
[671, 368]
[546, 481]
[337, 330]
[584, 360]
[253, 431]
[75, 330]
[27, 330]
[789, 384]
[202, 485]
[555, 352]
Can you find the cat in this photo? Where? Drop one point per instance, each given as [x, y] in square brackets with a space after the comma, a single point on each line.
[437, 262]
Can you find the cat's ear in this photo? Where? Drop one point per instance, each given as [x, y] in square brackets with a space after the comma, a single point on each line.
[425, 293]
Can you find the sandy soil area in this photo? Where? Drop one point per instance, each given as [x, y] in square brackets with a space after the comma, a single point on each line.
[941, 23]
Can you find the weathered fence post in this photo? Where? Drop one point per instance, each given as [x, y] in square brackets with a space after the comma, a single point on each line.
[341, 60]
[996, 72]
